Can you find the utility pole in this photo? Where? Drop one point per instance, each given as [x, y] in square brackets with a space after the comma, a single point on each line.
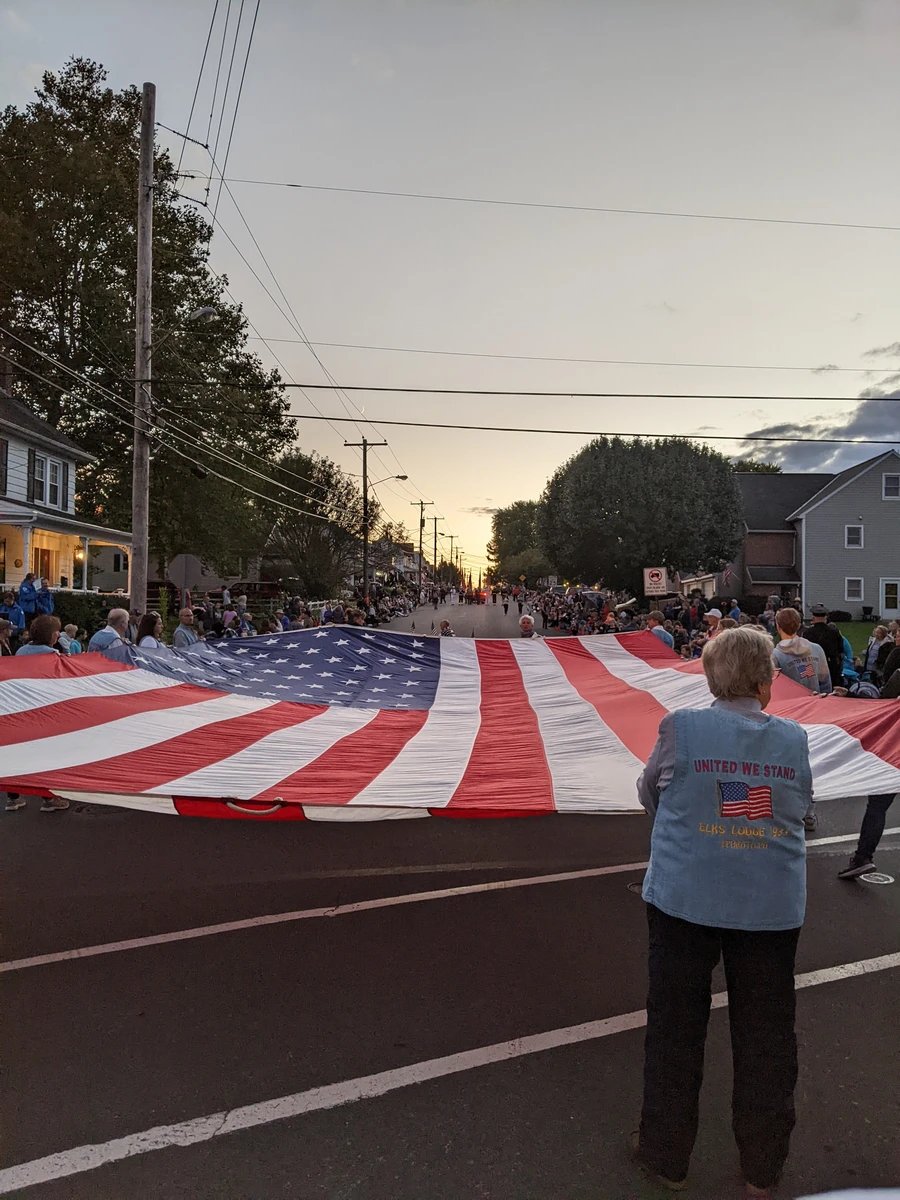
[435, 519]
[422, 504]
[452, 537]
[364, 446]
[140, 484]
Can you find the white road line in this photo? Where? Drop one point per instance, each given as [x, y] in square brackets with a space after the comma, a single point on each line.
[366, 1087]
[339, 910]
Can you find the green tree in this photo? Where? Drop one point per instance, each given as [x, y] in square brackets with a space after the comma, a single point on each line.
[514, 546]
[68, 199]
[316, 555]
[756, 466]
[618, 506]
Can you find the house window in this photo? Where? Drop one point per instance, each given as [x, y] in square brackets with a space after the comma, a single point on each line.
[55, 471]
[890, 487]
[2, 560]
[853, 537]
[40, 478]
[853, 590]
[120, 562]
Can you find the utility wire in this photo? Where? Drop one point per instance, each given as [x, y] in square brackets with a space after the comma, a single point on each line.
[436, 391]
[615, 362]
[237, 105]
[703, 437]
[173, 432]
[215, 149]
[196, 91]
[212, 106]
[593, 208]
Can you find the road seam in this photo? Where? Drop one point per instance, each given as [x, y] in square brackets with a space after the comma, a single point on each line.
[365, 1087]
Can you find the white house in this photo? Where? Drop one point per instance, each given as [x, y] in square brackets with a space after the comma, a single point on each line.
[38, 529]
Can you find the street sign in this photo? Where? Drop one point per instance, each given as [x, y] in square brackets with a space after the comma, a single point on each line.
[521, 579]
[655, 581]
[552, 580]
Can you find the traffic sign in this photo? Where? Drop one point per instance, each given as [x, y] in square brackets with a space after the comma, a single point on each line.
[655, 581]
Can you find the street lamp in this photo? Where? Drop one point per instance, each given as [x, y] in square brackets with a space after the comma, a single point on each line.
[364, 445]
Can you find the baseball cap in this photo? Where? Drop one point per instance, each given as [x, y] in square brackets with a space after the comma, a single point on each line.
[819, 610]
[714, 612]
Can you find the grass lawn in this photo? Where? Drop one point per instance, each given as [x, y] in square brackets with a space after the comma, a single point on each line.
[857, 633]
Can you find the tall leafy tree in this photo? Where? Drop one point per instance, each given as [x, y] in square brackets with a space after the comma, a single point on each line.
[619, 506]
[514, 548]
[68, 200]
[316, 554]
[756, 466]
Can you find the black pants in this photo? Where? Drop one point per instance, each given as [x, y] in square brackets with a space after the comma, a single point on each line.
[759, 970]
[873, 824]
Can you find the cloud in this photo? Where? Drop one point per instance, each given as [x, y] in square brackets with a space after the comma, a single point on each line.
[876, 417]
[856, 317]
[480, 511]
[15, 23]
[891, 351]
[823, 370]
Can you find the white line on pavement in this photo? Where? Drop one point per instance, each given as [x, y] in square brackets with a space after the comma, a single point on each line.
[366, 1087]
[339, 910]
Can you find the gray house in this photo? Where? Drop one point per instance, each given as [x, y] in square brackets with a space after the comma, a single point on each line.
[829, 539]
[848, 536]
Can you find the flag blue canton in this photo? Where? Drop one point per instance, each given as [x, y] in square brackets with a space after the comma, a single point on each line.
[341, 665]
[734, 793]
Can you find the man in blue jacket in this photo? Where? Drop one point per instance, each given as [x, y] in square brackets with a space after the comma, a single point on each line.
[28, 597]
[44, 598]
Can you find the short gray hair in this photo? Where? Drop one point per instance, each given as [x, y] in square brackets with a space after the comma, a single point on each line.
[117, 615]
[738, 662]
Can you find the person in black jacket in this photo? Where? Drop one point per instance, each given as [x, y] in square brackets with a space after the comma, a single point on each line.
[890, 662]
[829, 639]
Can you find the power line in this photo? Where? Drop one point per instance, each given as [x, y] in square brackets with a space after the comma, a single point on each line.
[219, 72]
[215, 149]
[237, 105]
[703, 437]
[594, 208]
[615, 362]
[196, 92]
[437, 391]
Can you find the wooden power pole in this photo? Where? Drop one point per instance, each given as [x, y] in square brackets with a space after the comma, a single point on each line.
[140, 486]
[422, 505]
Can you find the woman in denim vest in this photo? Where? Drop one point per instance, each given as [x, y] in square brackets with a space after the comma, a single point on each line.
[727, 788]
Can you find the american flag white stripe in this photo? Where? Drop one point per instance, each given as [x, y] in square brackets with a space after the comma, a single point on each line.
[428, 770]
[114, 738]
[25, 695]
[591, 769]
[274, 757]
[842, 767]
[670, 687]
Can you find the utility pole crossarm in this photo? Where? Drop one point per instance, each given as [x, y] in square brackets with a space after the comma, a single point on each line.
[364, 445]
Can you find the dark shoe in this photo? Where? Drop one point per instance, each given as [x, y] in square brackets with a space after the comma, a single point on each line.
[634, 1149]
[54, 804]
[857, 866]
[811, 821]
[14, 803]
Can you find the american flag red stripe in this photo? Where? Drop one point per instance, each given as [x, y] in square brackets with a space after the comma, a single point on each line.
[524, 727]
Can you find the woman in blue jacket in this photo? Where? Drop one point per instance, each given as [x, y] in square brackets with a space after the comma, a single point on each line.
[11, 610]
[727, 788]
[28, 597]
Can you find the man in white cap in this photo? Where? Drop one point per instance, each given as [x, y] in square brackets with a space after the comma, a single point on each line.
[526, 628]
[712, 619]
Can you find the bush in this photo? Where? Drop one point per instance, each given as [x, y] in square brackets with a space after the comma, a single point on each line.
[87, 610]
[838, 614]
[753, 605]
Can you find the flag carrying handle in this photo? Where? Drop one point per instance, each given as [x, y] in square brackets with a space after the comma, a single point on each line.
[255, 812]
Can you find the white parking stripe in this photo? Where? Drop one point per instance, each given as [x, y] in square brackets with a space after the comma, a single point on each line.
[366, 1087]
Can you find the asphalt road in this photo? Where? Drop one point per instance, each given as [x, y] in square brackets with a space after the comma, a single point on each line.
[109, 1046]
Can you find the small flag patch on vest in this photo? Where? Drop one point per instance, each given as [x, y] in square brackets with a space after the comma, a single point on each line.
[741, 800]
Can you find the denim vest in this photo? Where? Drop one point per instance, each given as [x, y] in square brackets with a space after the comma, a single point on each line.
[728, 847]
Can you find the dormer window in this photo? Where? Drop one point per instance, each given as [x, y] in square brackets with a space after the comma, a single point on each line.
[48, 481]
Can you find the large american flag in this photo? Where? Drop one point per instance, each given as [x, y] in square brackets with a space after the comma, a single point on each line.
[344, 723]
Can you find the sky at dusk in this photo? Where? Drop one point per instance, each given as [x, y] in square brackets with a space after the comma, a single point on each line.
[784, 109]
